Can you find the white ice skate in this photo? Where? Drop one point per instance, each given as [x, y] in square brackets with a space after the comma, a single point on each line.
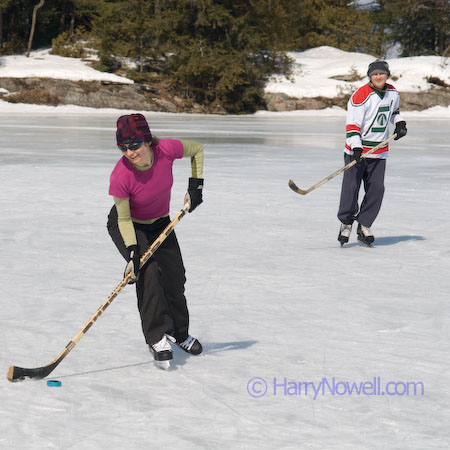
[365, 235]
[162, 353]
[344, 233]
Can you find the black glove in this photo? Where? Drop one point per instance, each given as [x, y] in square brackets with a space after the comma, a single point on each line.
[195, 190]
[357, 152]
[400, 129]
[133, 263]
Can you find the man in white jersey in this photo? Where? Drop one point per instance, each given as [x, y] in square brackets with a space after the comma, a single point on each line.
[369, 111]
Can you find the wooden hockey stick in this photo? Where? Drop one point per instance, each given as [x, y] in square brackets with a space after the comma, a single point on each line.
[19, 373]
[294, 187]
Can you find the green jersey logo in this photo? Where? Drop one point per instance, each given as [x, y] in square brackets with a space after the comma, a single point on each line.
[381, 120]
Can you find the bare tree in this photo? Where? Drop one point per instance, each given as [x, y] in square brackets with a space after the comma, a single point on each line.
[33, 24]
[1, 26]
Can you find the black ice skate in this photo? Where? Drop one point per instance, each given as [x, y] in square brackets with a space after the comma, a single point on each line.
[365, 235]
[191, 345]
[344, 233]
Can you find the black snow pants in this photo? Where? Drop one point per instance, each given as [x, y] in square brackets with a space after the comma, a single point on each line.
[371, 172]
[160, 287]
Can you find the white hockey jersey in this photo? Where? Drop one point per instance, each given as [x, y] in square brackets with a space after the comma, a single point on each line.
[369, 113]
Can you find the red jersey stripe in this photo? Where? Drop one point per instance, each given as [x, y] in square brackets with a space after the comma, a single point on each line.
[352, 127]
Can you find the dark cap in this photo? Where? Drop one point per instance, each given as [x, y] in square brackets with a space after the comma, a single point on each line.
[378, 66]
[132, 128]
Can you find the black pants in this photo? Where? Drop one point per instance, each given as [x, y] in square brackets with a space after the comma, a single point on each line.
[160, 287]
[370, 171]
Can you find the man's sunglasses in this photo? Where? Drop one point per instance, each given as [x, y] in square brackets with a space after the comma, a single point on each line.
[132, 147]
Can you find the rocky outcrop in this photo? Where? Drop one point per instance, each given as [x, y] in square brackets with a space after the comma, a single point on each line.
[147, 97]
[418, 101]
[94, 94]
[409, 101]
[282, 102]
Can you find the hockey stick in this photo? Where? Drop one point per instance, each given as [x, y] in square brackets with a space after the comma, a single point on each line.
[294, 187]
[19, 373]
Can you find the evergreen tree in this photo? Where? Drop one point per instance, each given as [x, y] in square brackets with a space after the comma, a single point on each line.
[54, 17]
[76, 13]
[337, 23]
[420, 26]
[16, 20]
[132, 28]
[4, 4]
[223, 54]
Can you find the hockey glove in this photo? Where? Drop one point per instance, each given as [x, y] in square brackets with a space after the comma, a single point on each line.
[132, 267]
[400, 129]
[357, 152]
[194, 193]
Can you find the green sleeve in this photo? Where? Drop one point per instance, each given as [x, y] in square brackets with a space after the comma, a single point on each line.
[195, 151]
[125, 223]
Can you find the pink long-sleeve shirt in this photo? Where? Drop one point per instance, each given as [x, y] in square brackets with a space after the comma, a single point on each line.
[149, 190]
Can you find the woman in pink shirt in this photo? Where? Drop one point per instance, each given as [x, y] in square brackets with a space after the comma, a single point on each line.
[141, 184]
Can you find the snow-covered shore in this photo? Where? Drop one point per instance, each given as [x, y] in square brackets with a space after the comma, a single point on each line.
[318, 72]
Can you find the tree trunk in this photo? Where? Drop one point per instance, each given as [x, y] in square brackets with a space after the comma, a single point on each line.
[1, 27]
[33, 24]
[447, 50]
[141, 57]
[72, 25]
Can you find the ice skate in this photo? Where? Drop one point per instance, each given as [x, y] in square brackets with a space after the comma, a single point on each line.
[162, 353]
[365, 235]
[344, 233]
[163, 365]
[191, 345]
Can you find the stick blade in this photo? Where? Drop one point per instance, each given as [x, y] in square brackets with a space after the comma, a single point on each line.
[295, 188]
[20, 373]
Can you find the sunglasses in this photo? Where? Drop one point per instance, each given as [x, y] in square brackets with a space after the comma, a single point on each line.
[132, 147]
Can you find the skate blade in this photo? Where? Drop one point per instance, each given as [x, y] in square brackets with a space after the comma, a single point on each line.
[163, 365]
[365, 243]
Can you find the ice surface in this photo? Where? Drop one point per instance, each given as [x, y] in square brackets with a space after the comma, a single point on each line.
[271, 293]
